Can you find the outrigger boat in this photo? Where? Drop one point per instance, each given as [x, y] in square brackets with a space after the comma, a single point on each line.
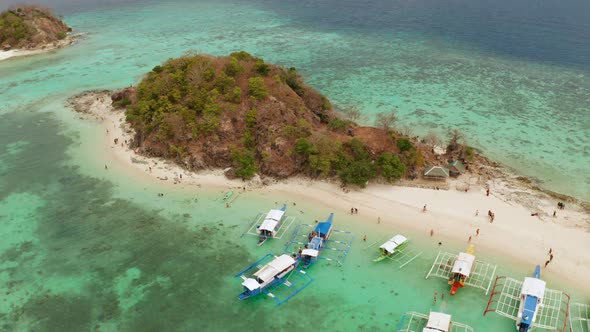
[317, 241]
[531, 297]
[271, 223]
[273, 273]
[389, 248]
[461, 269]
[434, 322]
[530, 304]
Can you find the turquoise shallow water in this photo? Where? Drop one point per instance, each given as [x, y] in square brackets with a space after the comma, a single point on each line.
[86, 250]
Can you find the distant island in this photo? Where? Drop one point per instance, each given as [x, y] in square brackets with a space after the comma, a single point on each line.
[32, 27]
[247, 116]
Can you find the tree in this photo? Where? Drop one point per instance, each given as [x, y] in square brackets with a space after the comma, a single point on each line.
[455, 137]
[352, 112]
[391, 166]
[386, 120]
[256, 88]
[431, 139]
[358, 172]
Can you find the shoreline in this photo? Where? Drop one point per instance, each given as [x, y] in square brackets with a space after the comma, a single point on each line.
[515, 235]
[18, 53]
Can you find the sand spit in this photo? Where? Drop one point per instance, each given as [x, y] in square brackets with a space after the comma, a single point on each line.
[69, 40]
[454, 212]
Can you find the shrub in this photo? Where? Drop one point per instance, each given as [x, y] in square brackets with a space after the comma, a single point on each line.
[121, 103]
[338, 124]
[256, 88]
[234, 96]
[261, 68]
[61, 35]
[233, 67]
[293, 80]
[391, 167]
[242, 56]
[244, 162]
[404, 144]
[469, 153]
[224, 83]
[251, 119]
[303, 147]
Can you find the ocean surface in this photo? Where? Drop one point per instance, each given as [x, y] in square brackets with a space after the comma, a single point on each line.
[89, 250]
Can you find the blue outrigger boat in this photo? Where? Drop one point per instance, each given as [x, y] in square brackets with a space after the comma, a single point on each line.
[268, 275]
[531, 296]
[317, 241]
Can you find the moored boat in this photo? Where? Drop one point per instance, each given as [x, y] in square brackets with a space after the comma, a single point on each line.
[461, 269]
[317, 241]
[271, 224]
[531, 296]
[388, 248]
[275, 272]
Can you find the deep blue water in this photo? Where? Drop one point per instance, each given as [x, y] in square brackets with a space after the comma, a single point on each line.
[548, 31]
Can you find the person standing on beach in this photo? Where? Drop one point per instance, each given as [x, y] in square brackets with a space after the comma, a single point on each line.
[550, 251]
[554, 213]
[476, 213]
[550, 257]
[365, 238]
[435, 296]
[105, 166]
[431, 232]
[547, 263]
[469, 239]
[351, 210]
[477, 232]
[424, 208]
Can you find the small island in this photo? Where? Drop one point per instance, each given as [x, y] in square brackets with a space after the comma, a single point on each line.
[31, 29]
[249, 117]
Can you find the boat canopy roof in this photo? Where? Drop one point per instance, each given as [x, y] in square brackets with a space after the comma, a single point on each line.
[463, 264]
[310, 252]
[324, 227]
[393, 243]
[534, 287]
[270, 270]
[437, 322]
[271, 220]
[251, 284]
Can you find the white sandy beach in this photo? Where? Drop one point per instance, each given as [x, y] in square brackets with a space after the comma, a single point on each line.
[5, 55]
[514, 234]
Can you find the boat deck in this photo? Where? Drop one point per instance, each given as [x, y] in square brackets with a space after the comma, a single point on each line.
[481, 276]
[580, 317]
[416, 322]
[335, 249]
[402, 256]
[505, 301]
[294, 282]
[284, 226]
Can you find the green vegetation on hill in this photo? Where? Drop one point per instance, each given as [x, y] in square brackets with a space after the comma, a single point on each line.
[30, 26]
[240, 112]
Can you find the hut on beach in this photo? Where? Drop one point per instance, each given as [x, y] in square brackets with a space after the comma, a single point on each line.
[456, 168]
[436, 173]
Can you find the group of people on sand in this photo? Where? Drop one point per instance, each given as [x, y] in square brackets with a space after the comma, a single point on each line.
[354, 210]
[550, 257]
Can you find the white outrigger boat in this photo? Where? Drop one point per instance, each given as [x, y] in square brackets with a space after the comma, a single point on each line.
[388, 248]
[463, 270]
[434, 322]
[271, 224]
